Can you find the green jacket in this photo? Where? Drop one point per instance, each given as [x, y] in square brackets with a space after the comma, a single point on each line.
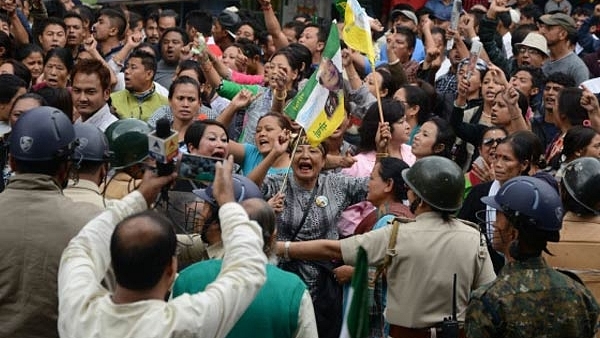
[128, 106]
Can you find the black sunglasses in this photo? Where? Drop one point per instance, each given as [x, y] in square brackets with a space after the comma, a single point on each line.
[490, 141]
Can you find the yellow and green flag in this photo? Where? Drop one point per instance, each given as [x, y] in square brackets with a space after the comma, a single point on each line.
[357, 29]
[356, 314]
[319, 106]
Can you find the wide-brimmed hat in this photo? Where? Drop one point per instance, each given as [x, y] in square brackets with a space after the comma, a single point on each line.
[559, 19]
[537, 41]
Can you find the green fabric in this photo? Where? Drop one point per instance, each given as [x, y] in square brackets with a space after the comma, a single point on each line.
[127, 105]
[356, 319]
[229, 89]
[272, 314]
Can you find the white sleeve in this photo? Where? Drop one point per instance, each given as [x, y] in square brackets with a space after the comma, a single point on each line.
[307, 324]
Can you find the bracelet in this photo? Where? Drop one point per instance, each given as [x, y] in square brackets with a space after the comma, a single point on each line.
[281, 97]
[382, 155]
[463, 107]
[286, 249]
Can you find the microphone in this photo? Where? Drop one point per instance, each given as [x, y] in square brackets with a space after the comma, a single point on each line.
[163, 146]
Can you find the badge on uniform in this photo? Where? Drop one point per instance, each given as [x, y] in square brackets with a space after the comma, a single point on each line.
[321, 201]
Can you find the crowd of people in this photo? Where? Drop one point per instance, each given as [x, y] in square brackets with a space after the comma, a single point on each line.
[457, 169]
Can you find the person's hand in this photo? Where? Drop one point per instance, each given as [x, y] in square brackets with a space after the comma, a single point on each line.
[223, 184]
[9, 6]
[376, 25]
[463, 90]
[426, 24]
[242, 99]
[277, 202]
[152, 184]
[282, 143]
[134, 40]
[347, 161]
[497, 6]
[90, 44]
[346, 58]
[241, 60]
[383, 136]
[511, 96]
[279, 79]
[498, 75]
[466, 26]
[343, 274]
[483, 171]
[186, 52]
[589, 101]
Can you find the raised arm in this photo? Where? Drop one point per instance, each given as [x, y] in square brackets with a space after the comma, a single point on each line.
[273, 25]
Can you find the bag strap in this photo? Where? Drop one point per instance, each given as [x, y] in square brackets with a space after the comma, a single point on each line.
[391, 249]
[309, 206]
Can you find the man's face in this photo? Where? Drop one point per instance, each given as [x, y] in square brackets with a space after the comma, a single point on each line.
[137, 78]
[528, 56]
[88, 95]
[553, 34]
[5, 108]
[53, 36]
[172, 43]
[103, 29]
[310, 39]
[579, 19]
[75, 32]
[523, 81]
[151, 30]
[404, 21]
[164, 23]
[550, 99]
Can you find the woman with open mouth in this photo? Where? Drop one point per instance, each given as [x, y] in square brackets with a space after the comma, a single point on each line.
[57, 67]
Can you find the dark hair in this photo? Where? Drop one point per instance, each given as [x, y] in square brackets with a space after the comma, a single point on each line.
[148, 60]
[491, 128]
[299, 57]
[117, 19]
[180, 80]
[133, 18]
[93, 66]
[140, 264]
[86, 13]
[297, 26]
[252, 25]
[169, 13]
[49, 168]
[440, 31]
[264, 215]
[387, 80]
[74, 15]
[184, 36]
[193, 65]
[576, 139]
[411, 39]
[532, 11]
[7, 43]
[391, 168]
[568, 105]
[59, 98]
[20, 70]
[24, 51]
[63, 54]
[445, 136]
[196, 130]
[282, 120]
[10, 86]
[505, 19]
[416, 96]
[40, 26]
[146, 46]
[561, 79]
[152, 15]
[392, 111]
[31, 95]
[200, 20]
[537, 76]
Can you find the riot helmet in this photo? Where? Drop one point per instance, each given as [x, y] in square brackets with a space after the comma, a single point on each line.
[581, 179]
[128, 141]
[92, 144]
[243, 189]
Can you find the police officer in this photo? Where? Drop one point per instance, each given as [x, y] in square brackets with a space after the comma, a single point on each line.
[529, 298]
[38, 222]
[579, 246]
[90, 159]
[128, 140]
[425, 253]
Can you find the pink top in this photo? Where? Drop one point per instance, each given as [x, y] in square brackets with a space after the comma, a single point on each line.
[242, 78]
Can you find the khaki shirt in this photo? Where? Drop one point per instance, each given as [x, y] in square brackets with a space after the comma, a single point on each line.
[420, 277]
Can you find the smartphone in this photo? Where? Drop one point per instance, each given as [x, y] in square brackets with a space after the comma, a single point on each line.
[197, 168]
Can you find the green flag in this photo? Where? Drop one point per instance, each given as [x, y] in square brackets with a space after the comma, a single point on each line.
[356, 314]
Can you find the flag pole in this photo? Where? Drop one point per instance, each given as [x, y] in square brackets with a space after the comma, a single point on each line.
[287, 171]
[377, 94]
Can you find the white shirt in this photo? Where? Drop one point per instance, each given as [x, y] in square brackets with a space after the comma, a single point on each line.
[86, 309]
[101, 119]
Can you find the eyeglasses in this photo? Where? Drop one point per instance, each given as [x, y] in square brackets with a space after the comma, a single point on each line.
[490, 141]
[529, 50]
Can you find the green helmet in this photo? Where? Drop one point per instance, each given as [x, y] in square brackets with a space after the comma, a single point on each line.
[438, 181]
[581, 179]
[128, 140]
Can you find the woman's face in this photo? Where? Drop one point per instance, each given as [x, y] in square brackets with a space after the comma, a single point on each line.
[267, 133]
[35, 63]
[370, 81]
[592, 149]
[489, 142]
[56, 73]
[400, 131]
[500, 111]
[7, 68]
[424, 140]
[185, 102]
[20, 107]
[474, 80]
[489, 87]
[506, 164]
[280, 62]
[230, 56]
[377, 187]
[308, 162]
[213, 143]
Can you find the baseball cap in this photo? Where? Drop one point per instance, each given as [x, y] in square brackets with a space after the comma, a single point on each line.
[442, 15]
[405, 12]
[559, 19]
[229, 21]
[535, 40]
